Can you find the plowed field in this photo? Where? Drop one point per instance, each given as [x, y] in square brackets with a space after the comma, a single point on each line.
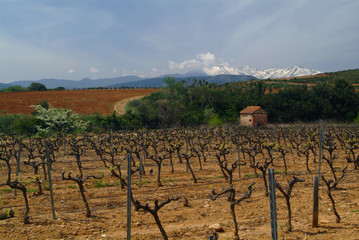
[80, 101]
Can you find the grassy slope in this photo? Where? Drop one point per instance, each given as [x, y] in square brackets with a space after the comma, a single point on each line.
[351, 76]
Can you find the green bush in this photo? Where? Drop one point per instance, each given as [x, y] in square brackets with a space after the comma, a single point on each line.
[15, 88]
[24, 125]
[37, 87]
[215, 121]
[51, 119]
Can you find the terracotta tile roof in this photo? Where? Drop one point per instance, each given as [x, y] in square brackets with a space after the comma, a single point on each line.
[251, 109]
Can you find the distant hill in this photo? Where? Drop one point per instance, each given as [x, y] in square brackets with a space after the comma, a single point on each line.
[84, 83]
[158, 82]
[351, 75]
[4, 85]
[129, 81]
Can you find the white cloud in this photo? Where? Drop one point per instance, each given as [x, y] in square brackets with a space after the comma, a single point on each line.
[94, 70]
[203, 60]
[208, 59]
[155, 72]
[212, 71]
[126, 72]
[187, 64]
[71, 70]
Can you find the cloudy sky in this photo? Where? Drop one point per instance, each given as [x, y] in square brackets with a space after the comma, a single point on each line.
[73, 39]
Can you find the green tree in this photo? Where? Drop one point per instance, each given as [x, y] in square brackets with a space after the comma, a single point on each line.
[345, 100]
[15, 88]
[37, 87]
[59, 88]
[44, 104]
[58, 120]
[24, 125]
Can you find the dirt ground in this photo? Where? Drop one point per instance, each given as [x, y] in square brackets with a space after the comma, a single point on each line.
[80, 101]
[120, 105]
[108, 204]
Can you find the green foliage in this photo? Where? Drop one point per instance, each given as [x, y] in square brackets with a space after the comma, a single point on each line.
[144, 182]
[169, 180]
[44, 104]
[24, 125]
[197, 102]
[19, 124]
[58, 89]
[99, 183]
[107, 184]
[351, 76]
[37, 87]
[215, 121]
[33, 87]
[356, 120]
[57, 120]
[98, 123]
[31, 190]
[6, 121]
[6, 189]
[7, 214]
[15, 88]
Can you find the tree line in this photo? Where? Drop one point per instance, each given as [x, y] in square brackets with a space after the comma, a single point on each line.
[198, 102]
[33, 87]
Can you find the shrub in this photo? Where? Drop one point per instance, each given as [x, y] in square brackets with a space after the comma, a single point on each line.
[58, 120]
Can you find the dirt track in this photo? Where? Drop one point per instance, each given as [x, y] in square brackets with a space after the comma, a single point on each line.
[120, 105]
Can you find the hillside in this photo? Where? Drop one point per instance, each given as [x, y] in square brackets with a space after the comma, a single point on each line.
[84, 83]
[129, 81]
[158, 82]
[4, 85]
[351, 75]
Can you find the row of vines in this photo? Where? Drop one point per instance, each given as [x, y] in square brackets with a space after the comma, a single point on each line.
[235, 155]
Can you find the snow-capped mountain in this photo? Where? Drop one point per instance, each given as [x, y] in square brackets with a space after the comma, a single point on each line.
[294, 71]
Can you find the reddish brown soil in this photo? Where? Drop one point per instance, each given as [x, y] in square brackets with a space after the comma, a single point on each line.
[109, 204]
[80, 101]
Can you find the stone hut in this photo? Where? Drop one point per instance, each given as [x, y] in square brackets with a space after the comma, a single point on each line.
[253, 116]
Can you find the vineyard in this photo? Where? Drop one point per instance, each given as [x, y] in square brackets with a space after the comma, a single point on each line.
[200, 183]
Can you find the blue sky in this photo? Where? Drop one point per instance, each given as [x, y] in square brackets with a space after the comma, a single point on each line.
[73, 39]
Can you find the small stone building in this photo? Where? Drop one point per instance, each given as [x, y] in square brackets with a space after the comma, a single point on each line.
[253, 116]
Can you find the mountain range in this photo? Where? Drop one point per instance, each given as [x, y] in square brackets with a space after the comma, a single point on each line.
[272, 73]
[158, 81]
[219, 74]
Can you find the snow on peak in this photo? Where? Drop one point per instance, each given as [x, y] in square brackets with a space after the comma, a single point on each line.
[294, 71]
